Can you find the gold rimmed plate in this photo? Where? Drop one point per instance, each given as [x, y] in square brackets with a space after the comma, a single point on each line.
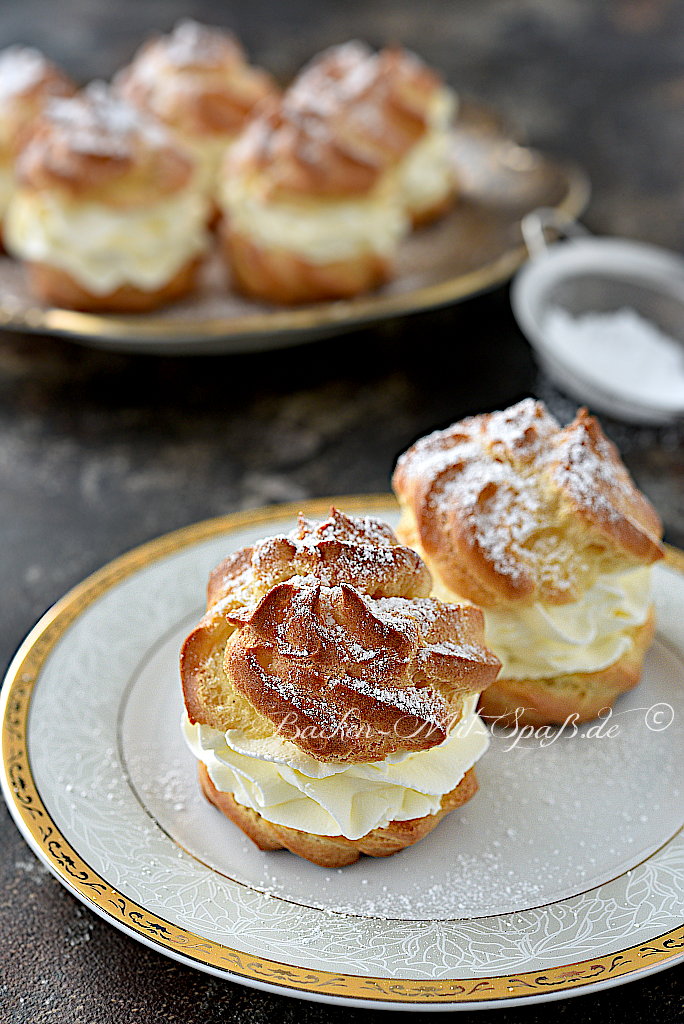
[564, 875]
[475, 247]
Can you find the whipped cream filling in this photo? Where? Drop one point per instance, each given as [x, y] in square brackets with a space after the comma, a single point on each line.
[289, 787]
[209, 152]
[321, 231]
[6, 188]
[426, 175]
[443, 109]
[543, 640]
[103, 247]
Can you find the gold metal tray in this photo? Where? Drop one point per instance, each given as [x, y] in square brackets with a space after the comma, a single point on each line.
[477, 246]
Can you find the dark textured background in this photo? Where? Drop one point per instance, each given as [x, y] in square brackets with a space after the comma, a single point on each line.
[101, 452]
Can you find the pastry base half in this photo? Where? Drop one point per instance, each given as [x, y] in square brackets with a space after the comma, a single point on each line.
[553, 701]
[334, 851]
[279, 275]
[58, 288]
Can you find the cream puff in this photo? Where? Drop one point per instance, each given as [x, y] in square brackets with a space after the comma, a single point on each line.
[108, 213]
[27, 81]
[308, 211]
[197, 81]
[405, 105]
[542, 527]
[330, 703]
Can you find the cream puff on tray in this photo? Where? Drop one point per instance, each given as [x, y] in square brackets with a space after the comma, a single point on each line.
[304, 218]
[543, 528]
[330, 702]
[107, 211]
[398, 114]
[320, 189]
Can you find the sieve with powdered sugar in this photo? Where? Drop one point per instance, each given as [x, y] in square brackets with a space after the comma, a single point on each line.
[605, 317]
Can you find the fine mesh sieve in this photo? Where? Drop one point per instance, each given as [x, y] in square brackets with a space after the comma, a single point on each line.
[581, 274]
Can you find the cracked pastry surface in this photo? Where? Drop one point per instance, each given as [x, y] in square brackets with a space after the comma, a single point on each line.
[543, 527]
[325, 689]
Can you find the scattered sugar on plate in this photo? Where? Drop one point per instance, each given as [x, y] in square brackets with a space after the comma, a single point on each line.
[622, 351]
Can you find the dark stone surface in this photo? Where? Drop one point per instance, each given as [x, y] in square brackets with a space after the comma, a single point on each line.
[101, 452]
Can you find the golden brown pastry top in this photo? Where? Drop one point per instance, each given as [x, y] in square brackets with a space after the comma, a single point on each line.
[359, 550]
[27, 80]
[196, 79]
[97, 147]
[348, 116]
[327, 638]
[385, 98]
[508, 507]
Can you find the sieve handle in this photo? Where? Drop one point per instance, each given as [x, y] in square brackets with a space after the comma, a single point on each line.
[535, 225]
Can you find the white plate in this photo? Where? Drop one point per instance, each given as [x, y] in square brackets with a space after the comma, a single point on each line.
[565, 874]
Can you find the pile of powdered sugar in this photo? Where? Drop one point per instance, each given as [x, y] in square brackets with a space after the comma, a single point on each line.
[621, 351]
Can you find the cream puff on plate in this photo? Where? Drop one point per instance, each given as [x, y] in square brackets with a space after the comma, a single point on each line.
[27, 81]
[198, 82]
[542, 526]
[330, 703]
[108, 213]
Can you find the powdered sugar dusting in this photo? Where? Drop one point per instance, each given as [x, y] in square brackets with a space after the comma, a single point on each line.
[590, 474]
[438, 625]
[337, 76]
[191, 43]
[21, 68]
[524, 427]
[503, 513]
[420, 703]
[359, 550]
[336, 623]
[355, 78]
[100, 123]
[315, 646]
[521, 842]
[481, 474]
[349, 105]
[355, 529]
[502, 475]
